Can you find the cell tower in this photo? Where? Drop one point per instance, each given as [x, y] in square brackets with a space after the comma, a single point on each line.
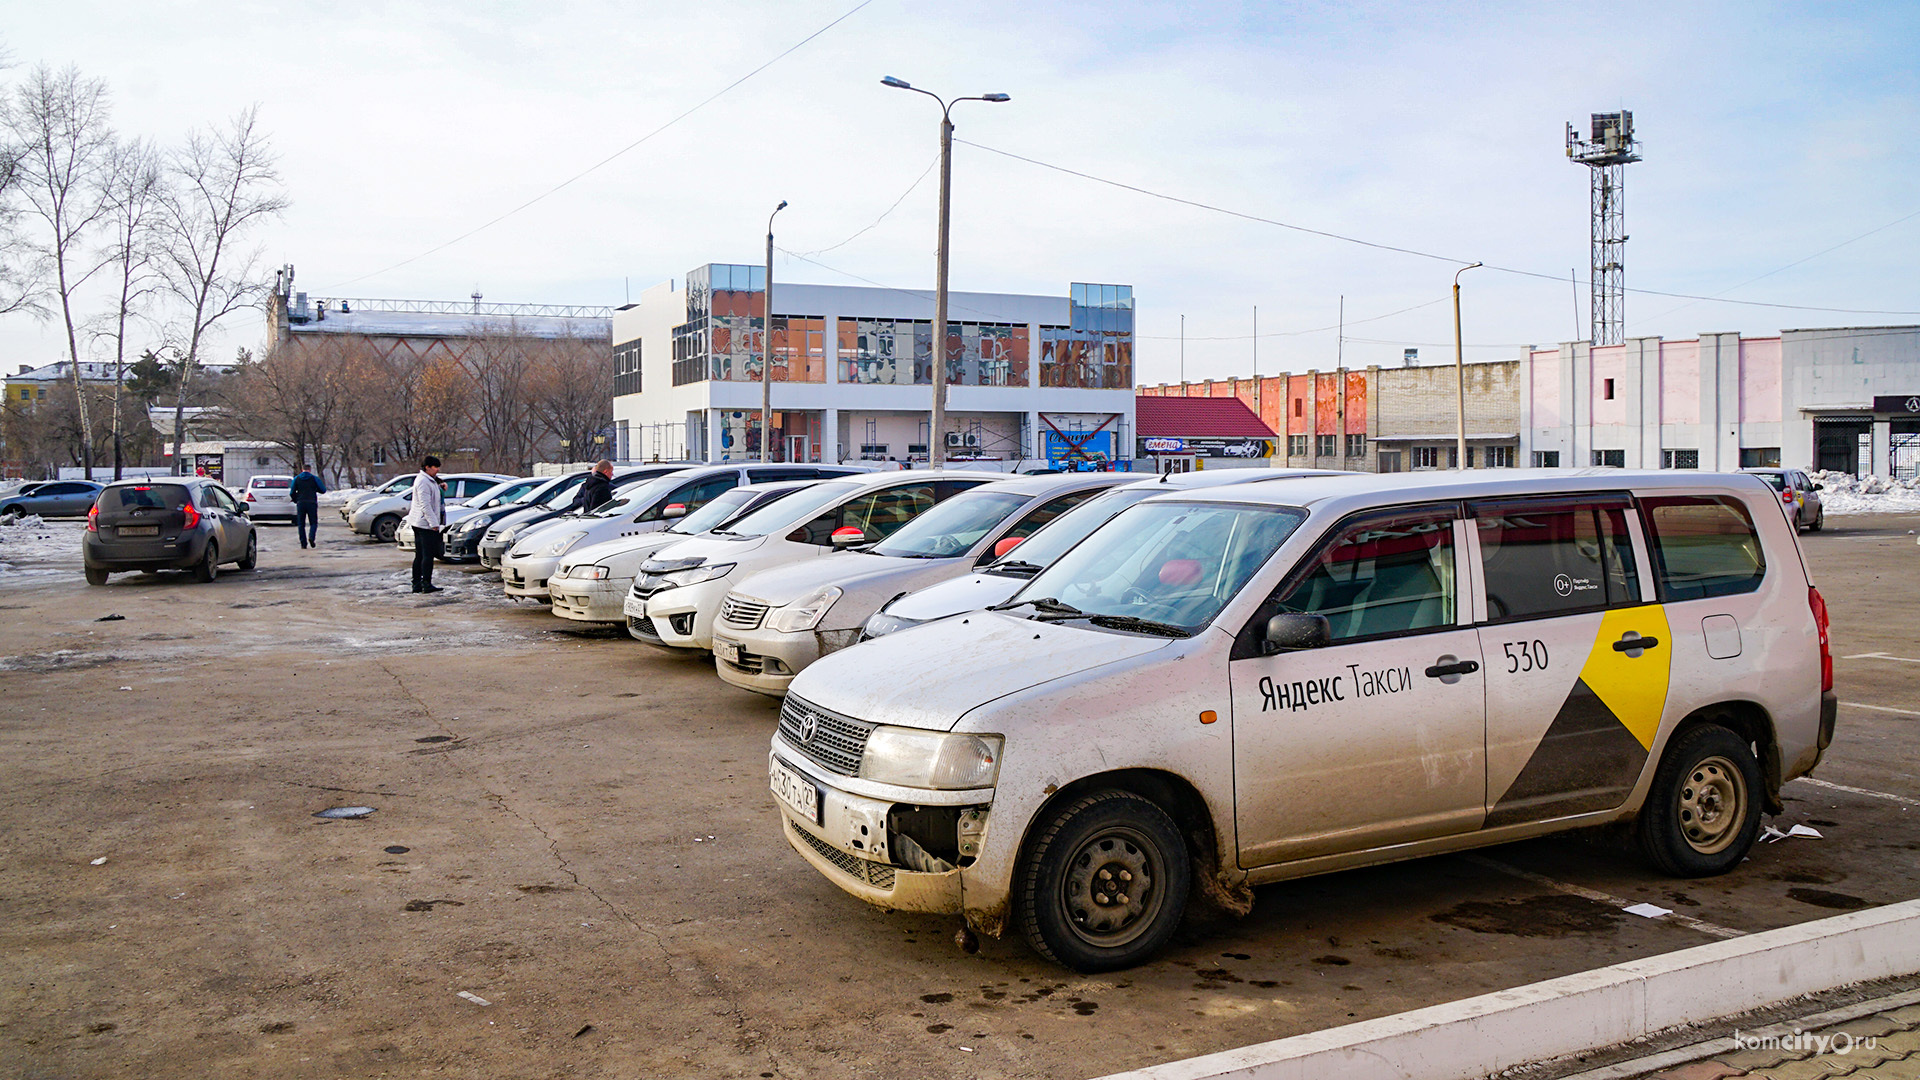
[1606, 156]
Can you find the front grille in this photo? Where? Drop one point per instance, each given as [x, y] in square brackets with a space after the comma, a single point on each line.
[641, 626]
[879, 875]
[742, 614]
[838, 741]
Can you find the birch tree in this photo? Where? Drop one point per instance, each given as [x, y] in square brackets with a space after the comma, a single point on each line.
[221, 185]
[133, 192]
[58, 124]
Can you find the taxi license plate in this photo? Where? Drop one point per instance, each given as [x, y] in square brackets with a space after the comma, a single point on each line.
[796, 791]
[727, 650]
[139, 530]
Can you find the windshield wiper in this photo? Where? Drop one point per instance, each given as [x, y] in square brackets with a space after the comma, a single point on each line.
[1144, 626]
[1046, 607]
[1016, 567]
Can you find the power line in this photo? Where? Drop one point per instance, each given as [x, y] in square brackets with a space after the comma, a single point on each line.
[596, 166]
[1397, 249]
[1296, 333]
[883, 216]
[1794, 263]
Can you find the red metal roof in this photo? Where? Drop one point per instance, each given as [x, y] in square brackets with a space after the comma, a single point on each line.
[1197, 418]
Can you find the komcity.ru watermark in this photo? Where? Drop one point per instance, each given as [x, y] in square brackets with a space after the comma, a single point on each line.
[1801, 1042]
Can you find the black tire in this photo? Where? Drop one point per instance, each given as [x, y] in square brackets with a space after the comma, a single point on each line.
[252, 558]
[96, 576]
[14, 512]
[1092, 849]
[1819, 520]
[385, 526]
[209, 567]
[1703, 812]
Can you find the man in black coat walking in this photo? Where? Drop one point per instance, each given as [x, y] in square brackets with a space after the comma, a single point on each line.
[306, 491]
[597, 490]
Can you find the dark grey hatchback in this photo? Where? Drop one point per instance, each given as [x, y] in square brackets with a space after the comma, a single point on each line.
[167, 524]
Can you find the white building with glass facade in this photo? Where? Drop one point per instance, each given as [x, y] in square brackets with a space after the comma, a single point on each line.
[1030, 378]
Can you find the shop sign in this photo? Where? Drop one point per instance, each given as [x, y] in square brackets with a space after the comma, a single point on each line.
[212, 465]
[1231, 448]
[1897, 403]
[1165, 446]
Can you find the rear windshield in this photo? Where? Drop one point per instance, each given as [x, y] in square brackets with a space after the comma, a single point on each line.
[144, 497]
[1778, 481]
[279, 483]
[1703, 545]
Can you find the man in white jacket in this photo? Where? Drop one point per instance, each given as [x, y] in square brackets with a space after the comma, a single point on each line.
[428, 516]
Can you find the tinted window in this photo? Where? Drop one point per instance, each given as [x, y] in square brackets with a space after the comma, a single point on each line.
[1387, 574]
[1703, 545]
[697, 494]
[144, 497]
[276, 483]
[1777, 481]
[1555, 558]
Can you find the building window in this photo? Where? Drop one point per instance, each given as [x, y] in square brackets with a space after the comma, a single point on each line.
[379, 455]
[1455, 454]
[1096, 350]
[1296, 446]
[1606, 389]
[1502, 457]
[626, 368]
[1616, 459]
[1329, 445]
[1679, 459]
[1297, 404]
[1389, 461]
[1356, 446]
[1759, 457]
[1546, 459]
[1426, 457]
[900, 352]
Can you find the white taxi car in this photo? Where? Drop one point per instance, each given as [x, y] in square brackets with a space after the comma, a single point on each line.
[678, 596]
[1246, 684]
[592, 582]
[950, 539]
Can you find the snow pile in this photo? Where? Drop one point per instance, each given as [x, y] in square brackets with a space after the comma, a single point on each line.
[1844, 493]
[30, 539]
[340, 495]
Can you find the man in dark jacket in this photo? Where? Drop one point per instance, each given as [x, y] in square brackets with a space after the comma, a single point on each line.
[305, 492]
[598, 488]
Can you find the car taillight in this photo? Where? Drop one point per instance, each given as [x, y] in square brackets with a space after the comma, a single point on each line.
[193, 516]
[93, 519]
[249, 496]
[1787, 495]
[1819, 606]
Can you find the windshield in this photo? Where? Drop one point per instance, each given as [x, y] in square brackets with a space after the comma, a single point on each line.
[1165, 567]
[952, 527]
[398, 483]
[1043, 547]
[716, 510]
[634, 499]
[502, 492]
[783, 513]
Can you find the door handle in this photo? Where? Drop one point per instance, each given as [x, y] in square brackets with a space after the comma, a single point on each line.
[1635, 644]
[1463, 667]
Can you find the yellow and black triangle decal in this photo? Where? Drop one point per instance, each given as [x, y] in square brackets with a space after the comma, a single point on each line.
[1594, 751]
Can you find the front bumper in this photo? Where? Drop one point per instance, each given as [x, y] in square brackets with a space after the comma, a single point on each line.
[527, 576]
[683, 618]
[491, 553]
[764, 661]
[840, 847]
[585, 600]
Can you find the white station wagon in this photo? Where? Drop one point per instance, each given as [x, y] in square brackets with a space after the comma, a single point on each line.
[1225, 687]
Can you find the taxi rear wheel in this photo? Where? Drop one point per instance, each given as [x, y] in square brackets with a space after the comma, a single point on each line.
[1105, 883]
[1703, 813]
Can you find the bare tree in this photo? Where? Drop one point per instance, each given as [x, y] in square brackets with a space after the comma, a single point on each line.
[133, 191]
[58, 120]
[300, 397]
[223, 183]
[572, 395]
[19, 287]
[502, 423]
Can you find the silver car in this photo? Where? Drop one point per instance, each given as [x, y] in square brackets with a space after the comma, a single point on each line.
[1799, 496]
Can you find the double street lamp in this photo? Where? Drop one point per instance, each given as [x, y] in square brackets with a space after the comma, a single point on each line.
[1459, 374]
[766, 343]
[936, 439]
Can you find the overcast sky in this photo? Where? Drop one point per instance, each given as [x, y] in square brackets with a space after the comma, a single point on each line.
[1770, 132]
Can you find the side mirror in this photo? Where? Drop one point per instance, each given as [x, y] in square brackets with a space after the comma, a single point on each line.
[847, 534]
[1291, 631]
[1819, 487]
[1006, 544]
[674, 510]
[242, 507]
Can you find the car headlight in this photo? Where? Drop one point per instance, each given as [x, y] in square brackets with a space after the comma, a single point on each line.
[588, 573]
[564, 544]
[940, 760]
[804, 613]
[694, 575]
[883, 624]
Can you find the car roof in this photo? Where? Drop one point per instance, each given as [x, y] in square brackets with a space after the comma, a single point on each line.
[1346, 491]
[1055, 483]
[131, 480]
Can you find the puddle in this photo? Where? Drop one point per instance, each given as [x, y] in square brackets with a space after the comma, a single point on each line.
[1823, 898]
[1537, 916]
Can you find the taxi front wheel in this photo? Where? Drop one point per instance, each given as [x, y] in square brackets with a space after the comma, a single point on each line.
[1105, 882]
[1703, 813]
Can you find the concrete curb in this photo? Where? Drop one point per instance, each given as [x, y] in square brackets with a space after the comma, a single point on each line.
[1608, 1006]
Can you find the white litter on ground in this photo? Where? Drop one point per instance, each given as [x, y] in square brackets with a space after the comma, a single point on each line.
[475, 998]
[1647, 911]
[1844, 493]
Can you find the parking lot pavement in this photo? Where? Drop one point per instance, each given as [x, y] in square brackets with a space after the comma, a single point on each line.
[575, 830]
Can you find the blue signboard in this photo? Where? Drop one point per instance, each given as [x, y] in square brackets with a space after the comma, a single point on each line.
[1074, 450]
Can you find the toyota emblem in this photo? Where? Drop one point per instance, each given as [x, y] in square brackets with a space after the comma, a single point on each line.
[809, 727]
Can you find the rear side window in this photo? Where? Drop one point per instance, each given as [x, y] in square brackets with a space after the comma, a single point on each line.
[1545, 558]
[144, 497]
[1703, 545]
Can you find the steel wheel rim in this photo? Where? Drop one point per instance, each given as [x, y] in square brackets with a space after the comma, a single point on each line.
[1713, 805]
[1109, 892]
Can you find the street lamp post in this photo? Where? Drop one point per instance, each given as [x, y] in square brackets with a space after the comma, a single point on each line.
[1459, 373]
[936, 444]
[766, 343]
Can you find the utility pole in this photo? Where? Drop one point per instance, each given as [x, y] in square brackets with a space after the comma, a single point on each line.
[1459, 373]
[1183, 353]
